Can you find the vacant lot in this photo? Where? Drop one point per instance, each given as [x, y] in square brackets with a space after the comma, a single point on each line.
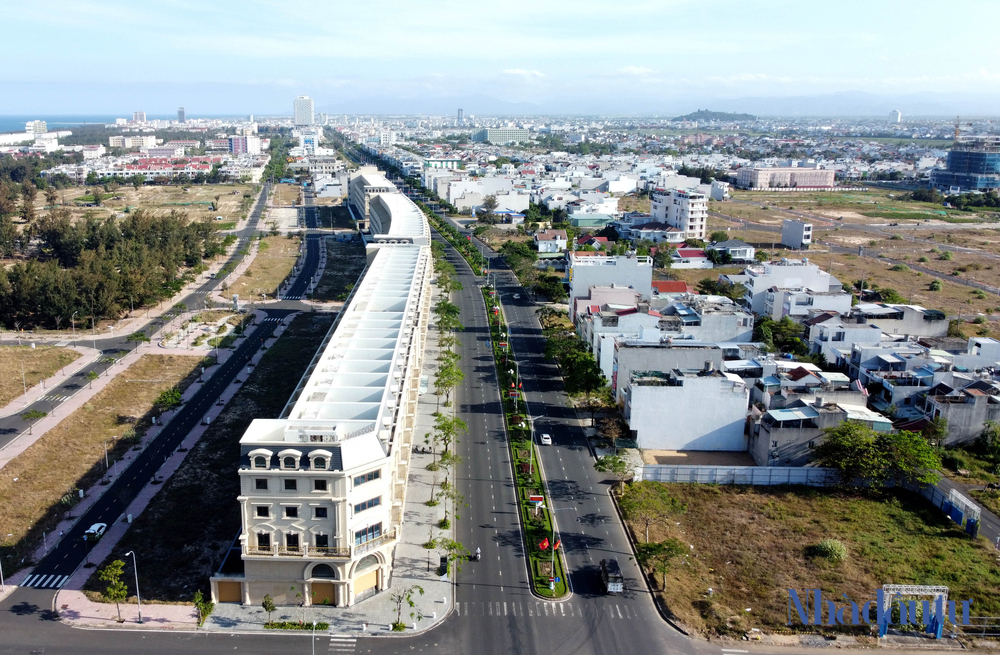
[39, 363]
[71, 455]
[180, 554]
[345, 260]
[750, 545]
[273, 263]
[337, 217]
[634, 204]
[286, 194]
[874, 206]
[196, 200]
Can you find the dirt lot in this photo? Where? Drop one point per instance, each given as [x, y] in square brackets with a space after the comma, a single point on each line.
[634, 204]
[181, 554]
[749, 545]
[270, 267]
[195, 201]
[287, 194]
[71, 455]
[344, 263]
[39, 363]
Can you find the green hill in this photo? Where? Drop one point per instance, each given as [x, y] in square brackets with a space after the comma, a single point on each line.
[706, 115]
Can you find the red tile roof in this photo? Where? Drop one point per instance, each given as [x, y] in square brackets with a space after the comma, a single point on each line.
[671, 286]
[691, 252]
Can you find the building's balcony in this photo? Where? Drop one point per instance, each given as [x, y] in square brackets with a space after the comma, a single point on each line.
[310, 552]
[387, 536]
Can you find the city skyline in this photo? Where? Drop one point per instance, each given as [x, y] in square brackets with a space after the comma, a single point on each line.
[555, 58]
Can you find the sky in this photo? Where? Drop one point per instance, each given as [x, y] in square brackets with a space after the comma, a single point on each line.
[545, 56]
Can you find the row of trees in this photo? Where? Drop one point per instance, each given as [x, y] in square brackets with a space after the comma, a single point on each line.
[98, 268]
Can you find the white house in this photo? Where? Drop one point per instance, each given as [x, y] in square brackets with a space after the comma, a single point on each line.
[550, 240]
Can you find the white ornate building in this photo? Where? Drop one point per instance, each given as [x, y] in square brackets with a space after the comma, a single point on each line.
[322, 487]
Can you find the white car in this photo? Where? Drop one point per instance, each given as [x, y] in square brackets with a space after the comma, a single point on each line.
[517, 296]
[95, 531]
[546, 439]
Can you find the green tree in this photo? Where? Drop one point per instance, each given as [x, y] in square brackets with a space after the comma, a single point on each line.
[648, 503]
[935, 285]
[31, 416]
[486, 210]
[116, 591]
[91, 376]
[448, 377]
[268, 606]
[203, 606]
[454, 551]
[859, 453]
[664, 257]
[718, 235]
[617, 466]
[659, 556]
[401, 596]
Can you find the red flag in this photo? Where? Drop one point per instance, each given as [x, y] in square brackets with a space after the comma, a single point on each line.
[511, 385]
[557, 544]
[520, 385]
[544, 544]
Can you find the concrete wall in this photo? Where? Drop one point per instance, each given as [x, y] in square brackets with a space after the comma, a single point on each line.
[605, 271]
[652, 413]
[659, 357]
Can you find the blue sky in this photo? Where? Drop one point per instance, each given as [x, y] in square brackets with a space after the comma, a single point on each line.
[579, 56]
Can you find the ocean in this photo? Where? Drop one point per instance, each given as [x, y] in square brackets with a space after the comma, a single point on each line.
[12, 123]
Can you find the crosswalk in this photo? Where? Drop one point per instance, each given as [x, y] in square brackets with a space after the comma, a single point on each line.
[539, 609]
[45, 581]
[55, 397]
[271, 319]
[299, 297]
[342, 644]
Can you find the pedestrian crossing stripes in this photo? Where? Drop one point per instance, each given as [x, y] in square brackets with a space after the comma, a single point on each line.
[55, 397]
[293, 297]
[542, 610]
[45, 581]
[271, 319]
[340, 644]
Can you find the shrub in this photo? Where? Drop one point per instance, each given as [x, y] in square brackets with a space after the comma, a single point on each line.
[923, 260]
[946, 256]
[895, 237]
[900, 268]
[295, 625]
[979, 320]
[935, 285]
[831, 550]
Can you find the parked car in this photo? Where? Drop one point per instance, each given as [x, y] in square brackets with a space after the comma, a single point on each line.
[611, 576]
[95, 532]
[517, 296]
[546, 439]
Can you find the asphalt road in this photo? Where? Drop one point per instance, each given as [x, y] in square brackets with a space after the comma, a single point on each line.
[13, 425]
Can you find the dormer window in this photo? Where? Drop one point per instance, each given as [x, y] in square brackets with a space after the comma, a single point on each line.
[260, 462]
[319, 463]
[288, 462]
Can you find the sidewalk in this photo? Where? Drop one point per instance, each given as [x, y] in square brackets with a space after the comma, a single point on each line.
[70, 595]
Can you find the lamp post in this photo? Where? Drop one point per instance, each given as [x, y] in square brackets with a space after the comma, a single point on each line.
[135, 569]
[552, 545]
[3, 585]
[73, 321]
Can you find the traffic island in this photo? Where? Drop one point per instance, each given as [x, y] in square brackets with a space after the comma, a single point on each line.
[546, 570]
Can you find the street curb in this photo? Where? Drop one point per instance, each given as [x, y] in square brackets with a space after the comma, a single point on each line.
[645, 576]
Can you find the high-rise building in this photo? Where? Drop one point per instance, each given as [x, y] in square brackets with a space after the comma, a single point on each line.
[244, 145]
[501, 135]
[460, 117]
[895, 116]
[684, 210]
[36, 127]
[973, 165]
[180, 115]
[138, 117]
[303, 111]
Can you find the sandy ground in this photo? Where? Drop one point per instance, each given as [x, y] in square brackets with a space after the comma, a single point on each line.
[697, 458]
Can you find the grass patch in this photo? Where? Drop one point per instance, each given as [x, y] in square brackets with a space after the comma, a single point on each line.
[180, 554]
[296, 625]
[286, 194]
[345, 261]
[39, 363]
[71, 455]
[274, 262]
[750, 545]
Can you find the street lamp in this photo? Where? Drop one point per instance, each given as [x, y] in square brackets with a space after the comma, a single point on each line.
[135, 569]
[3, 585]
[552, 518]
[71, 320]
[314, 638]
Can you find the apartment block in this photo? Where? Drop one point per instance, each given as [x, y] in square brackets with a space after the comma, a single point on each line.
[364, 184]
[785, 178]
[586, 271]
[682, 209]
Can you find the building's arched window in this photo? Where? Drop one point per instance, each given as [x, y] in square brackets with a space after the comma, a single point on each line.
[366, 563]
[324, 571]
[319, 462]
[288, 462]
[260, 462]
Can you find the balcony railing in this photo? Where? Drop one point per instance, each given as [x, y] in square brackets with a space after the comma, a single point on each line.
[386, 537]
[304, 551]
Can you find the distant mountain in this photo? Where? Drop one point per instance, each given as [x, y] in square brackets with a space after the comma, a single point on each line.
[721, 116]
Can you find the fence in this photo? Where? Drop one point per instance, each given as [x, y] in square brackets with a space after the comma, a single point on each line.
[749, 475]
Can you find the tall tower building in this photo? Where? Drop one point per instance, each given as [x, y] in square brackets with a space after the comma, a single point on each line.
[460, 115]
[303, 111]
[180, 115]
[138, 117]
[895, 116]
